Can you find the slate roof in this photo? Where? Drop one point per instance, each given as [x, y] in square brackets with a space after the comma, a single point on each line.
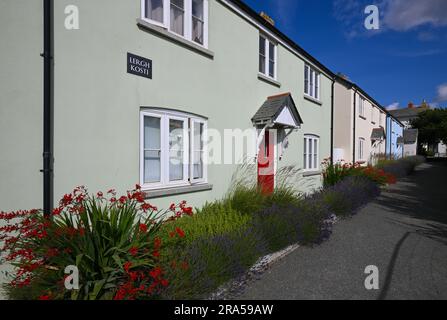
[378, 134]
[410, 136]
[407, 112]
[273, 106]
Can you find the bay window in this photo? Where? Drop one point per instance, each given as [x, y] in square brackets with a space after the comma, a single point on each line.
[311, 161]
[185, 18]
[311, 82]
[267, 57]
[172, 149]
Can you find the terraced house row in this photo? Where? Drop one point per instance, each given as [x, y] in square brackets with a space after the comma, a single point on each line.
[154, 91]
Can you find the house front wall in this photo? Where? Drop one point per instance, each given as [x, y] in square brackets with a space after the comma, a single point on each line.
[97, 104]
[343, 123]
[395, 130]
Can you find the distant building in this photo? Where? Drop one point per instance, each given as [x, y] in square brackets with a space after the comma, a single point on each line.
[406, 116]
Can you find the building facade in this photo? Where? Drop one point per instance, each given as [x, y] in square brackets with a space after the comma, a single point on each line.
[359, 125]
[394, 145]
[136, 100]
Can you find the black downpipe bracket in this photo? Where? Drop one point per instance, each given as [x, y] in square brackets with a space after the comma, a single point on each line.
[354, 126]
[332, 121]
[47, 107]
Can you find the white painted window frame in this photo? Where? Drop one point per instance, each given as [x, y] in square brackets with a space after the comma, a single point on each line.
[165, 116]
[361, 106]
[267, 43]
[193, 123]
[361, 149]
[187, 20]
[312, 88]
[310, 139]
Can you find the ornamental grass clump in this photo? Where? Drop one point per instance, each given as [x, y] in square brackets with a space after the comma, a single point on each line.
[112, 241]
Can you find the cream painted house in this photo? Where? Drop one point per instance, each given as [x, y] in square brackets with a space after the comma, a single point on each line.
[359, 124]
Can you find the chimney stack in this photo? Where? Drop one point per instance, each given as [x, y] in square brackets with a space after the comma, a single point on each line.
[410, 105]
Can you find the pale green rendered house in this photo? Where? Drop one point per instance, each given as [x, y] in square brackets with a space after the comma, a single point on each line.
[142, 83]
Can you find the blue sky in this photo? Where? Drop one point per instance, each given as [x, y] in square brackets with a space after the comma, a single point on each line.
[405, 60]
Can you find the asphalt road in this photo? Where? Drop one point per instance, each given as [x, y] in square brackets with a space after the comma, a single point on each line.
[403, 233]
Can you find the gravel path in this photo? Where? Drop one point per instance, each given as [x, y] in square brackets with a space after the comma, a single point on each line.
[403, 233]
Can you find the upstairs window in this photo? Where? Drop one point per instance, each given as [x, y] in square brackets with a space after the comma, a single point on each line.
[185, 18]
[361, 103]
[267, 57]
[311, 82]
[153, 10]
[198, 21]
[177, 16]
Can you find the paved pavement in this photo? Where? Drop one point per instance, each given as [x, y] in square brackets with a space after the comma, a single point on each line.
[403, 233]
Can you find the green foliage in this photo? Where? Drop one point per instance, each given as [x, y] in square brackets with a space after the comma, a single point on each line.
[96, 235]
[432, 126]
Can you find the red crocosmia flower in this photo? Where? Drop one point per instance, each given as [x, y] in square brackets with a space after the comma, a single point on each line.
[127, 266]
[81, 231]
[44, 297]
[137, 187]
[133, 251]
[156, 273]
[172, 207]
[143, 227]
[180, 232]
[164, 283]
[133, 276]
[156, 254]
[57, 211]
[67, 199]
[187, 211]
[99, 194]
[123, 199]
[157, 243]
[171, 234]
[113, 199]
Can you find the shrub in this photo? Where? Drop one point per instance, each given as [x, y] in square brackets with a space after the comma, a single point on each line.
[348, 196]
[334, 173]
[403, 167]
[111, 241]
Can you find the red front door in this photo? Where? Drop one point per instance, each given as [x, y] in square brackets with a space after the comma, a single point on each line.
[266, 163]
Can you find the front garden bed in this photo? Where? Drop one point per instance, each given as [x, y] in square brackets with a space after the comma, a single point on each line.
[125, 248]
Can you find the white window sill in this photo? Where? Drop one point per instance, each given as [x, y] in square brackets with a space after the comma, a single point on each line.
[158, 193]
[362, 117]
[312, 99]
[147, 26]
[269, 80]
[310, 173]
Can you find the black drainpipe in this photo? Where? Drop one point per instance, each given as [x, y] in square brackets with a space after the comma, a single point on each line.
[47, 106]
[332, 121]
[354, 126]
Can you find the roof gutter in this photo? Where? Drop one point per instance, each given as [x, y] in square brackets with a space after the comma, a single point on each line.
[47, 107]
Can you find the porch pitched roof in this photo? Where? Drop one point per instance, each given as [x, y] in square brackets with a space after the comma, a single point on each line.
[274, 106]
[378, 134]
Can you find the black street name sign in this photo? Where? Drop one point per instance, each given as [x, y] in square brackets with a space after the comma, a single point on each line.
[139, 66]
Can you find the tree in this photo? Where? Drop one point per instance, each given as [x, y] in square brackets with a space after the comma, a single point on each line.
[432, 126]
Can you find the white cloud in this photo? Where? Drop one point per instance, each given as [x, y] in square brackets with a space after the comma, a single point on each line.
[442, 93]
[393, 106]
[403, 15]
[397, 15]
